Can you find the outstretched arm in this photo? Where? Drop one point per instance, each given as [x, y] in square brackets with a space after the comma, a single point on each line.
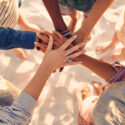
[53, 9]
[102, 69]
[19, 112]
[98, 9]
[96, 12]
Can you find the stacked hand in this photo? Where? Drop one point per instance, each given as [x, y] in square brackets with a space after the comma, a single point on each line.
[59, 39]
[82, 37]
[58, 57]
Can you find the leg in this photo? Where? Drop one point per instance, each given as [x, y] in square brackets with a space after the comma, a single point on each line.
[97, 87]
[121, 56]
[85, 92]
[73, 21]
[26, 26]
[118, 54]
[8, 93]
[20, 53]
[115, 40]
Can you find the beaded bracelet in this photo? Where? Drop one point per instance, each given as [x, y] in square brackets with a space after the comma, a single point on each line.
[67, 33]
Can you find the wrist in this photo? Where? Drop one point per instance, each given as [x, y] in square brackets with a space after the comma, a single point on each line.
[66, 34]
[47, 67]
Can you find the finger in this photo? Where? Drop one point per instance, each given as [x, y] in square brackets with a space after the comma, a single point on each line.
[77, 54]
[42, 47]
[50, 45]
[61, 69]
[58, 39]
[54, 71]
[59, 35]
[47, 34]
[43, 38]
[68, 42]
[73, 49]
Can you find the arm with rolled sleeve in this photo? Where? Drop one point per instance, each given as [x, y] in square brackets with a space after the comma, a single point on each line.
[19, 113]
[10, 38]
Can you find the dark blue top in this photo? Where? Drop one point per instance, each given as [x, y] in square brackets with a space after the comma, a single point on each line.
[10, 38]
[81, 5]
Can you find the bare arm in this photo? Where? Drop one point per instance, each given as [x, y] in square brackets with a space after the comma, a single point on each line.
[38, 81]
[53, 9]
[96, 12]
[49, 64]
[102, 69]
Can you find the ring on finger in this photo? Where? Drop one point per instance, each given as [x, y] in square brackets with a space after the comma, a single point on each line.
[69, 58]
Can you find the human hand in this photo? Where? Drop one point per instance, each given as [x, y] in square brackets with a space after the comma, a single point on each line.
[57, 37]
[43, 38]
[58, 58]
[58, 41]
[82, 37]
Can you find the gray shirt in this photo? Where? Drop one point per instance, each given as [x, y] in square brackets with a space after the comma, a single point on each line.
[19, 113]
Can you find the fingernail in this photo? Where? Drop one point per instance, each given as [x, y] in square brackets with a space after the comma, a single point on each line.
[82, 44]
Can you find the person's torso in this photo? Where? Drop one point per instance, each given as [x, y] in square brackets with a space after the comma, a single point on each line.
[81, 5]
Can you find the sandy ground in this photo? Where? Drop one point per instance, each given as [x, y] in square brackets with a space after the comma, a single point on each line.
[58, 104]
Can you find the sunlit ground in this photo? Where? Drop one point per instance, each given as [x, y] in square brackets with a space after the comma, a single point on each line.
[58, 104]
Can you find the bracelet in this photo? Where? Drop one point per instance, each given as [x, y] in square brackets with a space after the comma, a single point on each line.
[67, 33]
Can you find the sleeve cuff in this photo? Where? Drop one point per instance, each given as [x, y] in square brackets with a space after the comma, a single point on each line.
[28, 39]
[26, 101]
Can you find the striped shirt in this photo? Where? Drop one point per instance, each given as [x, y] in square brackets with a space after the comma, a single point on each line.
[8, 13]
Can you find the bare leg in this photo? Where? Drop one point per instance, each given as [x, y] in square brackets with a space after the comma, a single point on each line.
[118, 54]
[97, 87]
[85, 92]
[73, 22]
[26, 26]
[115, 40]
[20, 53]
[13, 88]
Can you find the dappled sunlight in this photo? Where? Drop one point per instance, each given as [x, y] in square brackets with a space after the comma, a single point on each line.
[58, 103]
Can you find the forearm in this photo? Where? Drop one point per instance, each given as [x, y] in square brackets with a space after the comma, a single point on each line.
[53, 9]
[10, 38]
[36, 85]
[102, 69]
[96, 12]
